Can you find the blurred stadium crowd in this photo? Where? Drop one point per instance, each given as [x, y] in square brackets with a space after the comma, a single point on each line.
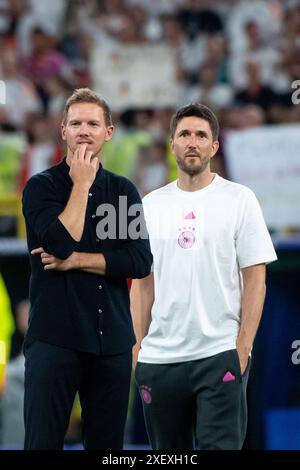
[238, 57]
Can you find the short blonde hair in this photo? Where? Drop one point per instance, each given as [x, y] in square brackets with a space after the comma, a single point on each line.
[85, 95]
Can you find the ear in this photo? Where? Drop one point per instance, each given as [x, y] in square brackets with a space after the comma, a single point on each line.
[109, 133]
[172, 145]
[63, 131]
[215, 148]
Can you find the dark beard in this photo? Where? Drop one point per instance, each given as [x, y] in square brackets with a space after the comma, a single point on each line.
[193, 171]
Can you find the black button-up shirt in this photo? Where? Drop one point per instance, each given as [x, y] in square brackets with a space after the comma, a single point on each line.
[76, 309]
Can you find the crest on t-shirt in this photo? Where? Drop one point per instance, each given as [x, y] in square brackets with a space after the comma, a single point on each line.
[187, 237]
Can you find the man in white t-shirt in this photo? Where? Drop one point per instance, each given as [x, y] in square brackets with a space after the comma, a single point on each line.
[196, 315]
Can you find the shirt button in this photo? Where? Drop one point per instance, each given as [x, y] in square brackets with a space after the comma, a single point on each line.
[97, 240]
[100, 287]
[101, 332]
[100, 311]
[93, 216]
[90, 194]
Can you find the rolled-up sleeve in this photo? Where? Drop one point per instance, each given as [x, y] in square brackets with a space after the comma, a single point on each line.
[134, 258]
[41, 209]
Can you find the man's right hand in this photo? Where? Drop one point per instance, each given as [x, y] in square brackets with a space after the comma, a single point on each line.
[83, 168]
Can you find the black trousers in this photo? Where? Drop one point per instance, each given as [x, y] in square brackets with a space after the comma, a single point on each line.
[53, 375]
[202, 401]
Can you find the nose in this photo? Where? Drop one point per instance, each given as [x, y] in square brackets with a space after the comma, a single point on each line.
[84, 129]
[192, 142]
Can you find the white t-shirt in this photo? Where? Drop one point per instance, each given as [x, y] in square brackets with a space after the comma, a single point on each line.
[199, 241]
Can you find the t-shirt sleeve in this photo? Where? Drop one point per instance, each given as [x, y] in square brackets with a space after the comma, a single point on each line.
[253, 242]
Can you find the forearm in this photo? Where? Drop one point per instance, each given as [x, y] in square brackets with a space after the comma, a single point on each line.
[252, 306]
[141, 322]
[141, 302]
[73, 216]
[92, 263]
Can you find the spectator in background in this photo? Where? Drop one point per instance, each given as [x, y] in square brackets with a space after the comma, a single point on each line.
[121, 153]
[13, 397]
[284, 109]
[198, 16]
[11, 12]
[252, 115]
[190, 53]
[58, 89]
[42, 153]
[46, 15]
[216, 52]
[22, 99]
[243, 13]
[6, 331]
[151, 167]
[12, 145]
[258, 50]
[44, 62]
[255, 91]
[209, 90]
[236, 118]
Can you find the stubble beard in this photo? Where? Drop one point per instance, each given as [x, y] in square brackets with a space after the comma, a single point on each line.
[193, 170]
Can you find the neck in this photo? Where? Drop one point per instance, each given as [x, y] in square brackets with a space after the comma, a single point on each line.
[194, 183]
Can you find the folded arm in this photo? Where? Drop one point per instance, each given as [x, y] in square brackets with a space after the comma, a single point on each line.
[90, 262]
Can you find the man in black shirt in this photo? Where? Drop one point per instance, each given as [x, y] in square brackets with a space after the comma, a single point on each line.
[80, 332]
